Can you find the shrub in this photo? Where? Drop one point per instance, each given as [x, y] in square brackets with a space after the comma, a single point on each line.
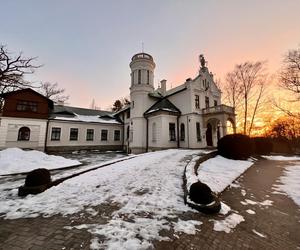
[38, 177]
[263, 145]
[282, 146]
[235, 146]
[200, 193]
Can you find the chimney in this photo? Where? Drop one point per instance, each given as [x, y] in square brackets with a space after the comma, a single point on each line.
[163, 86]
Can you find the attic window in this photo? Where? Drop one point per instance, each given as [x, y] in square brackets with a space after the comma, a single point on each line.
[27, 106]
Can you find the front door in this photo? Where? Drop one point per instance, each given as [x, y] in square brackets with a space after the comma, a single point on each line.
[209, 140]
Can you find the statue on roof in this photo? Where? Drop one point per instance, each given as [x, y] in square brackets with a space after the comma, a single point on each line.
[202, 61]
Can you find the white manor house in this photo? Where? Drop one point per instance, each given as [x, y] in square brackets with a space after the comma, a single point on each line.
[188, 116]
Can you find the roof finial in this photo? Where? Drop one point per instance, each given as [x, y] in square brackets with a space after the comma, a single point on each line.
[202, 60]
[142, 47]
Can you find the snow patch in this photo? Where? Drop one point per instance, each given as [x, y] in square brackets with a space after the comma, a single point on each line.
[15, 160]
[229, 223]
[224, 209]
[187, 227]
[251, 202]
[259, 234]
[281, 158]
[290, 183]
[249, 211]
[220, 172]
[266, 203]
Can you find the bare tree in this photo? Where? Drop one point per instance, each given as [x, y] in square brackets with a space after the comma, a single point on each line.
[12, 71]
[232, 89]
[53, 92]
[289, 79]
[120, 103]
[117, 106]
[244, 90]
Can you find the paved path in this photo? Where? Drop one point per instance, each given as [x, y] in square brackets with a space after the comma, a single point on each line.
[280, 223]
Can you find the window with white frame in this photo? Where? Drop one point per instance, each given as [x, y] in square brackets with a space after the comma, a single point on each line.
[104, 135]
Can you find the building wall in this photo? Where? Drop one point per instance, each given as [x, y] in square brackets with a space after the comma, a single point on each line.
[65, 143]
[182, 100]
[155, 139]
[11, 100]
[193, 142]
[140, 102]
[9, 129]
[162, 132]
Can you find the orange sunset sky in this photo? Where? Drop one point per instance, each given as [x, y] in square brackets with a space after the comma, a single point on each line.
[86, 46]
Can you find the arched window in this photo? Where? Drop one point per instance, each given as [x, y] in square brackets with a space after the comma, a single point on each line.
[182, 132]
[154, 131]
[24, 134]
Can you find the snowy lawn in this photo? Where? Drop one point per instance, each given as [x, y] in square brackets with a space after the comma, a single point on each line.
[220, 172]
[147, 191]
[15, 160]
[92, 157]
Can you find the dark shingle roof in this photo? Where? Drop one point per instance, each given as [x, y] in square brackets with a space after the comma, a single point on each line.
[163, 105]
[60, 109]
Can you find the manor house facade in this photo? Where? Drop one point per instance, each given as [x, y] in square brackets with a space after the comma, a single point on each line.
[188, 116]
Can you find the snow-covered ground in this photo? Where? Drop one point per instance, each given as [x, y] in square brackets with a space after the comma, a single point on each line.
[144, 193]
[147, 191]
[290, 182]
[93, 157]
[220, 172]
[15, 160]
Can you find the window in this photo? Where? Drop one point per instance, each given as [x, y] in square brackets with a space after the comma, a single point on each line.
[132, 78]
[198, 131]
[26, 106]
[182, 132]
[206, 102]
[148, 77]
[104, 133]
[172, 132]
[197, 102]
[55, 134]
[215, 103]
[117, 135]
[153, 131]
[24, 134]
[90, 134]
[139, 76]
[127, 133]
[128, 114]
[205, 84]
[73, 134]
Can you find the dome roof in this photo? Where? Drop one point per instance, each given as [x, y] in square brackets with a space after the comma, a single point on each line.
[142, 56]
